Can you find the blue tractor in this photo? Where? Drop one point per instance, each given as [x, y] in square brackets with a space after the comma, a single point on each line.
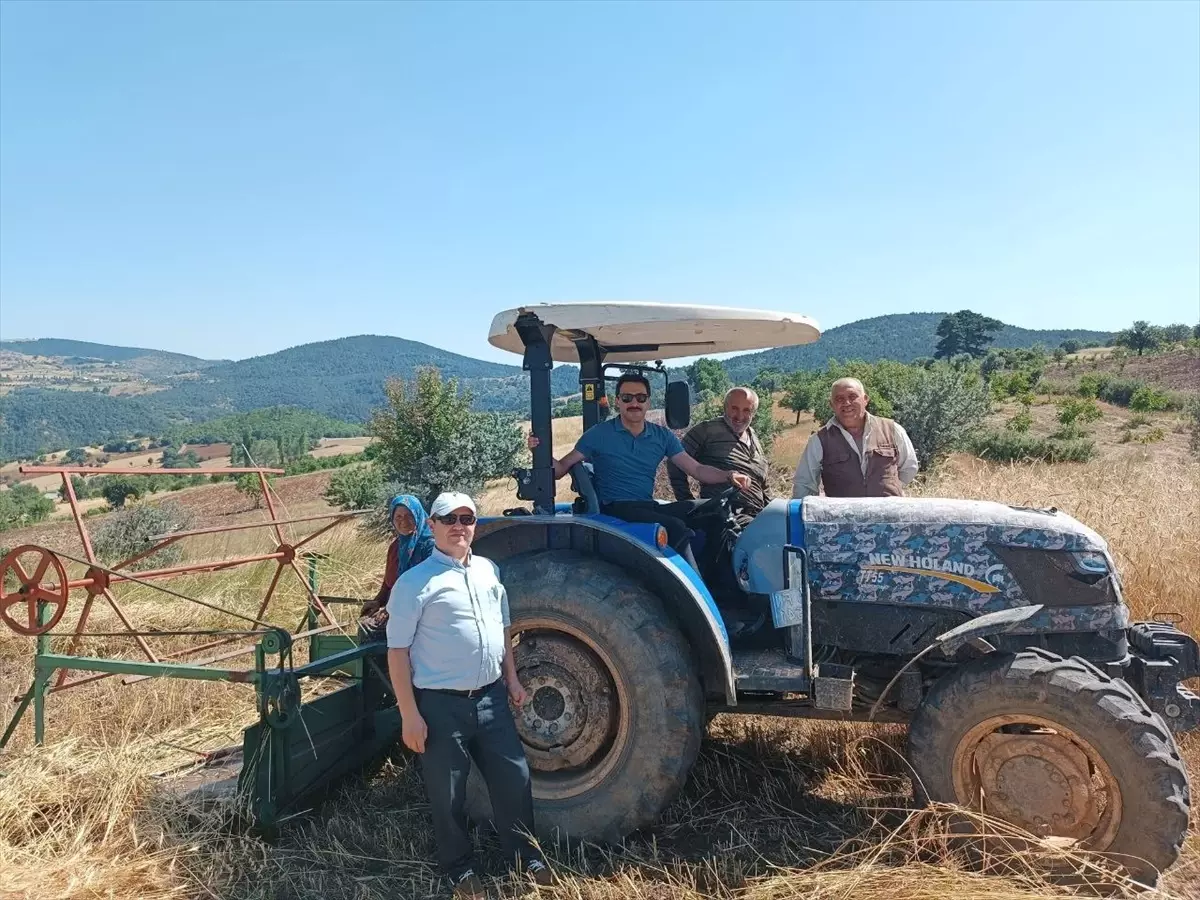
[999, 634]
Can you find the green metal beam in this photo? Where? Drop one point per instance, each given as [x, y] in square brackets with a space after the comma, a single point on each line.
[15, 720]
[336, 660]
[46, 662]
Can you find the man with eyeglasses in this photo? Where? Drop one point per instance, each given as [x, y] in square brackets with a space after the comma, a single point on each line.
[453, 673]
[625, 453]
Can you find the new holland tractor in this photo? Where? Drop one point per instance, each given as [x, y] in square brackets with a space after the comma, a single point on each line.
[999, 634]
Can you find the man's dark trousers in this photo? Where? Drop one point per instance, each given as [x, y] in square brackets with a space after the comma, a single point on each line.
[481, 728]
[670, 516]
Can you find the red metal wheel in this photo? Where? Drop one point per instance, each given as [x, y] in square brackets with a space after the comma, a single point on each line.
[31, 589]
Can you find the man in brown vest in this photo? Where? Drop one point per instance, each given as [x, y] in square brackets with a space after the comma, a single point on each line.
[855, 454]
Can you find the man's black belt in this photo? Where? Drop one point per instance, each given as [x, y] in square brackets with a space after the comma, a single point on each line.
[473, 692]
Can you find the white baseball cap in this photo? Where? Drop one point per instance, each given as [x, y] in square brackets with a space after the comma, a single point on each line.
[449, 501]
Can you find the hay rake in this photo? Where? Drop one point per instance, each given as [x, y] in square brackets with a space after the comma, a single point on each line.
[297, 749]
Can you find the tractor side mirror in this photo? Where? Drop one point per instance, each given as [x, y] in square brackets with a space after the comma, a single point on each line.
[678, 405]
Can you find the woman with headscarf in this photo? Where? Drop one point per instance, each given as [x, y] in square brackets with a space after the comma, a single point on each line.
[413, 544]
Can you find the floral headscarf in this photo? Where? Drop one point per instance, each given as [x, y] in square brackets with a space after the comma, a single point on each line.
[416, 547]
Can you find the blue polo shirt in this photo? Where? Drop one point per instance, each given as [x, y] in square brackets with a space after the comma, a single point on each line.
[624, 464]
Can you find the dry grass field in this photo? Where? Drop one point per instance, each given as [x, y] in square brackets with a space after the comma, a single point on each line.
[775, 810]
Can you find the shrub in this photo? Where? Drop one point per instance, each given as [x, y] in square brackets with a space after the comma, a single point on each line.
[1193, 414]
[1137, 420]
[23, 504]
[1010, 384]
[1148, 399]
[1090, 385]
[1021, 422]
[1153, 436]
[1071, 412]
[355, 487]
[941, 410]
[1120, 390]
[127, 532]
[1069, 432]
[1008, 446]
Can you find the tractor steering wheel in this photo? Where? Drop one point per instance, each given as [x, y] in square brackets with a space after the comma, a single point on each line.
[714, 504]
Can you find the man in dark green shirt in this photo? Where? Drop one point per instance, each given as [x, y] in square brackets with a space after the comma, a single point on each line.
[728, 443]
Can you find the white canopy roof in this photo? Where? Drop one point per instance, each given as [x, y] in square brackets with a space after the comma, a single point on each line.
[657, 330]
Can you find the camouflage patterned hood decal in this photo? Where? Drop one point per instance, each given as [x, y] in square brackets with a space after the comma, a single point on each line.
[937, 552]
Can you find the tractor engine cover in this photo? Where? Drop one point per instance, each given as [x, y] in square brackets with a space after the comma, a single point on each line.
[954, 559]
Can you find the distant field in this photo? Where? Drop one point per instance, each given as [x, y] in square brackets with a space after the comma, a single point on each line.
[1177, 370]
[340, 446]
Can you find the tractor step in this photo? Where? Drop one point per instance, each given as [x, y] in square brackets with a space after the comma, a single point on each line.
[769, 670]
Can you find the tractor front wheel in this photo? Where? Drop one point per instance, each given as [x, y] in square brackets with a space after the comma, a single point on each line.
[616, 713]
[1059, 749]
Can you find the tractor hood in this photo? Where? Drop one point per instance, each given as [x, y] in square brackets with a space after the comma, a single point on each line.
[1047, 528]
[971, 554]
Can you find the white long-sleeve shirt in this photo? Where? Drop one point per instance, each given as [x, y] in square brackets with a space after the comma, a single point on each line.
[807, 480]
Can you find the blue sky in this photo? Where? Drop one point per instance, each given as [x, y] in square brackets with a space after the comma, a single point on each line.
[231, 179]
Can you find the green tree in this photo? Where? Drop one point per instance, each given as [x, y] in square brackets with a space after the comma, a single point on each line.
[431, 441]
[118, 490]
[1177, 334]
[173, 459]
[708, 379]
[127, 533]
[250, 485]
[1141, 337]
[767, 381]
[798, 393]
[1070, 345]
[76, 456]
[356, 487]
[941, 411]
[22, 505]
[965, 332]
[573, 407]
[764, 423]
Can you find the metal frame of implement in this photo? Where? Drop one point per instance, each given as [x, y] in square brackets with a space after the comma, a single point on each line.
[297, 749]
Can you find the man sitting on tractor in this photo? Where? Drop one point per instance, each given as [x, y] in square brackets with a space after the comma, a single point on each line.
[625, 453]
[728, 442]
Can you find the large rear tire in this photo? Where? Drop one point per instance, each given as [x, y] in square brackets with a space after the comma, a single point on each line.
[616, 712]
[1059, 749]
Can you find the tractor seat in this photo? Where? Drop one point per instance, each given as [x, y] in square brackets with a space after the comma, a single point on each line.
[581, 482]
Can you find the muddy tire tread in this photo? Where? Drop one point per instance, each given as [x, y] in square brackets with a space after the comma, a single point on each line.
[1152, 775]
[625, 615]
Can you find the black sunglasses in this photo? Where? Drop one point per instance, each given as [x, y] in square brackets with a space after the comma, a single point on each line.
[629, 398]
[451, 518]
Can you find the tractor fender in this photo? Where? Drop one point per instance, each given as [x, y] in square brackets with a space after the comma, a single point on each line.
[632, 547]
[972, 632]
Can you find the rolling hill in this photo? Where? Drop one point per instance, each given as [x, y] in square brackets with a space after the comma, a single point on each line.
[139, 360]
[344, 379]
[902, 337]
[341, 378]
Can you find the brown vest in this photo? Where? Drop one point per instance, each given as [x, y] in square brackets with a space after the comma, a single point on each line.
[841, 472]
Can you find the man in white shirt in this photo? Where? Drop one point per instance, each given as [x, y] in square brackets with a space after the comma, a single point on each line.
[855, 454]
[453, 673]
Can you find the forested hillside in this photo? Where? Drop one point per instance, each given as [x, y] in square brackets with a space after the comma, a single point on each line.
[343, 379]
[902, 337]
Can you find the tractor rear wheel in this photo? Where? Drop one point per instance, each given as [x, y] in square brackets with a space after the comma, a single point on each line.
[1059, 749]
[616, 712]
